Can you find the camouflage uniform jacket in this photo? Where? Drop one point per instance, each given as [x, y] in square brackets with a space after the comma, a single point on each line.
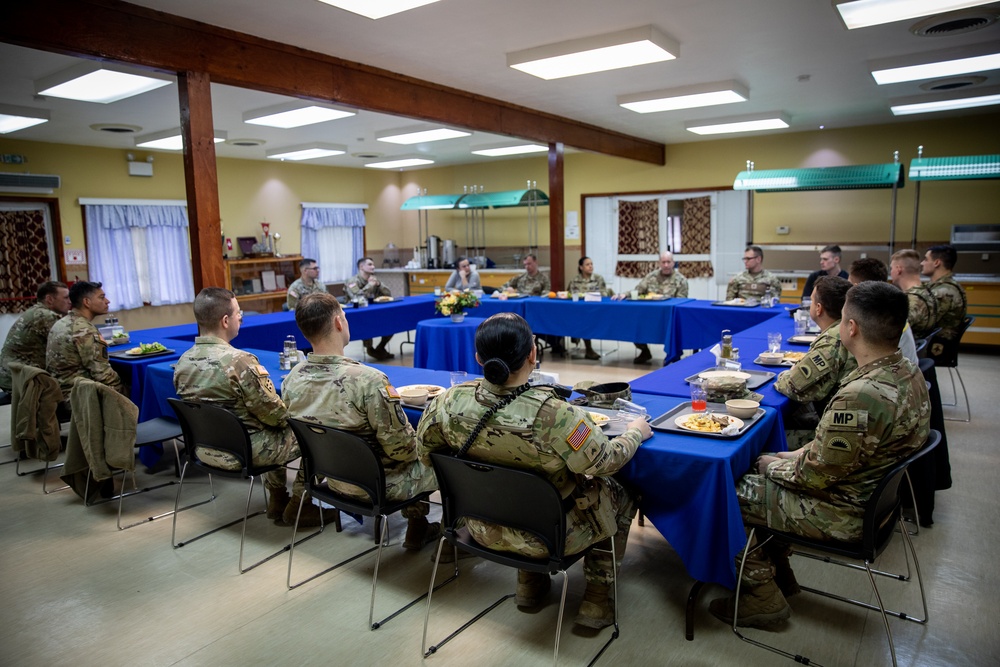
[746, 285]
[816, 376]
[343, 393]
[299, 289]
[923, 310]
[595, 283]
[75, 349]
[357, 286]
[536, 285]
[27, 340]
[951, 306]
[539, 432]
[879, 416]
[674, 285]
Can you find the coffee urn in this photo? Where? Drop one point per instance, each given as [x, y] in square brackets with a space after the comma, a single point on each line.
[449, 253]
[433, 252]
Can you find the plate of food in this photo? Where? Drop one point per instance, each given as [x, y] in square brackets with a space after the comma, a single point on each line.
[778, 358]
[708, 375]
[600, 419]
[803, 339]
[432, 389]
[383, 299]
[147, 349]
[707, 422]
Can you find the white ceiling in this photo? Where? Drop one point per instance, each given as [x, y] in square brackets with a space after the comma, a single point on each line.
[794, 55]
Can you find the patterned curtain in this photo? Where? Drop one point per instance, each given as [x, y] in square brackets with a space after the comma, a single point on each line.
[639, 227]
[634, 268]
[696, 236]
[24, 259]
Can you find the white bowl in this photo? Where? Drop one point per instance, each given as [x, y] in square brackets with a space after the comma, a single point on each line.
[742, 408]
[413, 396]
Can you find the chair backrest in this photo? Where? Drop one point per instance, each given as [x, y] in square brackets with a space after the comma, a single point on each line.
[948, 357]
[921, 348]
[213, 426]
[334, 454]
[500, 494]
[883, 506]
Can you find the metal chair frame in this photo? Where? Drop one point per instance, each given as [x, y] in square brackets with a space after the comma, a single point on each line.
[951, 363]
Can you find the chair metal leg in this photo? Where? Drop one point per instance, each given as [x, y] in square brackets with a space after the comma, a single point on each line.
[45, 479]
[916, 510]
[965, 394]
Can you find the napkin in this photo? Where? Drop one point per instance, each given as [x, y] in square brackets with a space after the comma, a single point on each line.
[592, 296]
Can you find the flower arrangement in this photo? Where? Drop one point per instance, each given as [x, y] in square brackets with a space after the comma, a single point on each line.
[455, 302]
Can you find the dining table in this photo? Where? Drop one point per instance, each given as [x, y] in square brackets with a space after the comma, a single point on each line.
[445, 345]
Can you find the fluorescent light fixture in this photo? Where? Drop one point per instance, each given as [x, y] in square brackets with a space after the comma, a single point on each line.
[627, 48]
[295, 114]
[399, 163]
[864, 13]
[99, 82]
[376, 9]
[170, 140]
[311, 151]
[419, 134]
[754, 123]
[509, 149]
[14, 118]
[687, 97]
[964, 99]
[936, 64]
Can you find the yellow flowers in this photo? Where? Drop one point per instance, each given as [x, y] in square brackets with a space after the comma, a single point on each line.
[455, 302]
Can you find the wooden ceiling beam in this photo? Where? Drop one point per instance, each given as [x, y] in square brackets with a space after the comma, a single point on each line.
[125, 33]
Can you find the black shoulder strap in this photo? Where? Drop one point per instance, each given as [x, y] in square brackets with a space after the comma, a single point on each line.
[499, 405]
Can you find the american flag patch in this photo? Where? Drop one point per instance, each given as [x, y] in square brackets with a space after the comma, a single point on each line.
[389, 389]
[578, 436]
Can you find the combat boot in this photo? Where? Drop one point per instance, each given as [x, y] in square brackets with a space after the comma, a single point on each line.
[277, 500]
[310, 517]
[783, 574]
[644, 355]
[598, 608]
[761, 606]
[420, 533]
[531, 588]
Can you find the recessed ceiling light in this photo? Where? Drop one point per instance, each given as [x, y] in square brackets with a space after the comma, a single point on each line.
[627, 48]
[419, 134]
[399, 163]
[510, 149]
[936, 64]
[311, 151]
[376, 9]
[98, 82]
[754, 123]
[962, 99]
[686, 97]
[14, 118]
[864, 13]
[295, 114]
[170, 140]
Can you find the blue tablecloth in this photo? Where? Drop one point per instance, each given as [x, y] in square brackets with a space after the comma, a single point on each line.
[688, 487]
[489, 306]
[699, 324]
[133, 369]
[444, 345]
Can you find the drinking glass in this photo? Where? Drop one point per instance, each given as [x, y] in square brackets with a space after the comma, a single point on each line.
[628, 411]
[458, 377]
[800, 324]
[773, 341]
[699, 401]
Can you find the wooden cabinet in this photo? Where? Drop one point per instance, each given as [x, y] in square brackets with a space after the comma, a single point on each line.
[246, 277]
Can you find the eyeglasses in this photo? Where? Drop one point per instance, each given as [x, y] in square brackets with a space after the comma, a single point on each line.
[750, 259]
[240, 314]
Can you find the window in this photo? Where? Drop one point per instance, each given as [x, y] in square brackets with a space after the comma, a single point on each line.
[334, 235]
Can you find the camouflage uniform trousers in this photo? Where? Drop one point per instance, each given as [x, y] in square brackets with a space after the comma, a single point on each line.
[402, 483]
[598, 566]
[268, 447]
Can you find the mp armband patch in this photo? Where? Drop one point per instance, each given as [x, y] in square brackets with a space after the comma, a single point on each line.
[848, 420]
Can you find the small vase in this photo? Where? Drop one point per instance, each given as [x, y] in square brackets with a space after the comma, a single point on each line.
[457, 317]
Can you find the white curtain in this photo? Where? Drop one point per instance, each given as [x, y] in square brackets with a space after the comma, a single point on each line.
[140, 253]
[334, 235]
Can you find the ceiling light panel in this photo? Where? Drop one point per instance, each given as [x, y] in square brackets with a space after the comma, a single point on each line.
[936, 65]
[311, 151]
[295, 114]
[507, 150]
[419, 135]
[170, 140]
[687, 97]
[100, 83]
[864, 13]
[399, 163]
[755, 123]
[14, 118]
[377, 9]
[628, 48]
[948, 102]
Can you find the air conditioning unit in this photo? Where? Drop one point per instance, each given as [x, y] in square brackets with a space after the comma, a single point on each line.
[41, 184]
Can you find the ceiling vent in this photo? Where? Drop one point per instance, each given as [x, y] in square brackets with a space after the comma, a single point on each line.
[116, 128]
[954, 23]
[367, 155]
[246, 143]
[31, 183]
[952, 84]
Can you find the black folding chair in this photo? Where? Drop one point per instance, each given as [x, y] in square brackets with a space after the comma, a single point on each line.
[882, 515]
[510, 497]
[947, 357]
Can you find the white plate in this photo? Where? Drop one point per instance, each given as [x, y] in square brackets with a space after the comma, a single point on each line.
[432, 389]
[803, 339]
[708, 375]
[599, 419]
[681, 422]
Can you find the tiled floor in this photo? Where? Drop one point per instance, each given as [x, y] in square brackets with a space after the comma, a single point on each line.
[74, 590]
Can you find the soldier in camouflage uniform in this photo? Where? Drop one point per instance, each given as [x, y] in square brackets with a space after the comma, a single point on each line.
[815, 377]
[904, 271]
[28, 338]
[588, 281]
[754, 280]
[75, 347]
[334, 390]
[666, 282]
[878, 417]
[535, 283]
[501, 419]
[213, 371]
[308, 283]
[952, 305]
[366, 284]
